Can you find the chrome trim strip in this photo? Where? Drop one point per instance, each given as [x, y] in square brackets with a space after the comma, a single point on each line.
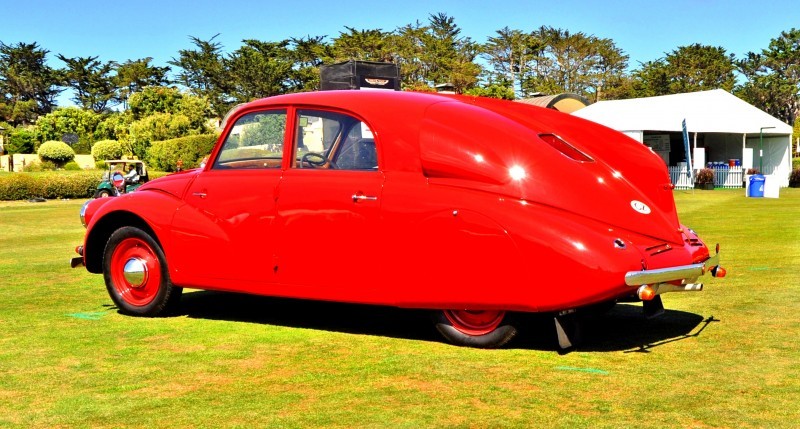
[663, 275]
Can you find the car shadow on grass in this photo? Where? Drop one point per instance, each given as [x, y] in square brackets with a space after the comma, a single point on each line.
[326, 316]
[624, 328]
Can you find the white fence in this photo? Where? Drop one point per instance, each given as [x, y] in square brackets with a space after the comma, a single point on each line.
[728, 177]
[679, 176]
[723, 177]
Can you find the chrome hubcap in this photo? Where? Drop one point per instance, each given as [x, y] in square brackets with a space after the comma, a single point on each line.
[135, 272]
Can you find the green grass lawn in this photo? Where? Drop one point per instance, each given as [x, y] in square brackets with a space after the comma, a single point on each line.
[725, 357]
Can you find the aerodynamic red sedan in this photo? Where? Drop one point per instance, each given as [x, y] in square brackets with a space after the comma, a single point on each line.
[475, 208]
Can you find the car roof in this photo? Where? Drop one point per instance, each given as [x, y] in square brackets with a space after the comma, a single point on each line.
[398, 117]
[403, 119]
[409, 107]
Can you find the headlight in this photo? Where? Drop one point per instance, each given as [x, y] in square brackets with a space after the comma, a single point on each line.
[83, 213]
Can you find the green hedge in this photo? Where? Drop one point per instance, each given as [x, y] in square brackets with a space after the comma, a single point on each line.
[164, 155]
[53, 184]
[22, 186]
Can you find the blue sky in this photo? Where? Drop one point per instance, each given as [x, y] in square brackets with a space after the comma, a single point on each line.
[134, 29]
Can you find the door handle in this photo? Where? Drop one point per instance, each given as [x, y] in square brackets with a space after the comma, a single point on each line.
[199, 194]
[362, 197]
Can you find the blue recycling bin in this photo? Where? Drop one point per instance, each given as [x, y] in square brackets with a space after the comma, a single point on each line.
[756, 188]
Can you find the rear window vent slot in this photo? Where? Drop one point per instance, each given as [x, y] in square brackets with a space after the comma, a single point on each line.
[659, 248]
[567, 149]
[694, 242]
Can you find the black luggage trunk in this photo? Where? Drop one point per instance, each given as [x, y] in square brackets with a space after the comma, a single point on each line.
[360, 75]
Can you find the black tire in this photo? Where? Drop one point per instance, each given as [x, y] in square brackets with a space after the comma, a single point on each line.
[145, 289]
[496, 334]
[102, 193]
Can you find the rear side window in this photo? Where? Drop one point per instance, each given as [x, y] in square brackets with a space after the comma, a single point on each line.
[567, 149]
[335, 141]
[255, 141]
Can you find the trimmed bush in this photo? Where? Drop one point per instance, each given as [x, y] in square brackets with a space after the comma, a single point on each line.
[794, 178]
[52, 184]
[107, 149]
[164, 155]
[18, 186]
[72, 166]
[56, 152]
[22, 186]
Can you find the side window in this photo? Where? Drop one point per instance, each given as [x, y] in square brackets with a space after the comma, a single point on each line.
[255, 141]
[336, 141]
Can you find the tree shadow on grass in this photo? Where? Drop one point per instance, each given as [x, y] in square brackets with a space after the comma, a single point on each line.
[624, 328]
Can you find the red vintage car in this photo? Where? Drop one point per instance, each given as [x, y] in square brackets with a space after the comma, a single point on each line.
[475, 208]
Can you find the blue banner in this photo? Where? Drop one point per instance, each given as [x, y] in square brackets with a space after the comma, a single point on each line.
[688, 150]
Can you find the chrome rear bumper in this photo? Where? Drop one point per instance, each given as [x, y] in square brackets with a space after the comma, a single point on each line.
[686, 273]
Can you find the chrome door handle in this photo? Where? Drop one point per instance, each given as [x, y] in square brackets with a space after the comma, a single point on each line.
[360, 197]
[199, 194]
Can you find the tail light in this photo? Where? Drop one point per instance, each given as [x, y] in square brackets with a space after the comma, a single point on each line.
[646, 293]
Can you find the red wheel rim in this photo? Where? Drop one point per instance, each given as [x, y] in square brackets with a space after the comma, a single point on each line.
[136, 251]
[475, 322]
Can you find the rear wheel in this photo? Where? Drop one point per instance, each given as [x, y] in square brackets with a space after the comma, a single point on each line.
[475, 328]
[136, 275]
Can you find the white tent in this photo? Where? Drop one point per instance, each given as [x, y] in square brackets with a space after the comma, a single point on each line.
[729, 128]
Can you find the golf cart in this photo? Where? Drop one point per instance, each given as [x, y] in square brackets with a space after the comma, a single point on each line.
[114, 183]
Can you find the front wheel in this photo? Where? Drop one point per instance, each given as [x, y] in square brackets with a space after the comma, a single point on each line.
[475, 328]
[136, 275]
[102, 193]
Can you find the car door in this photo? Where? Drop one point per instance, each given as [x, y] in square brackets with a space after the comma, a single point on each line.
[328, 210]
[225, 231]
